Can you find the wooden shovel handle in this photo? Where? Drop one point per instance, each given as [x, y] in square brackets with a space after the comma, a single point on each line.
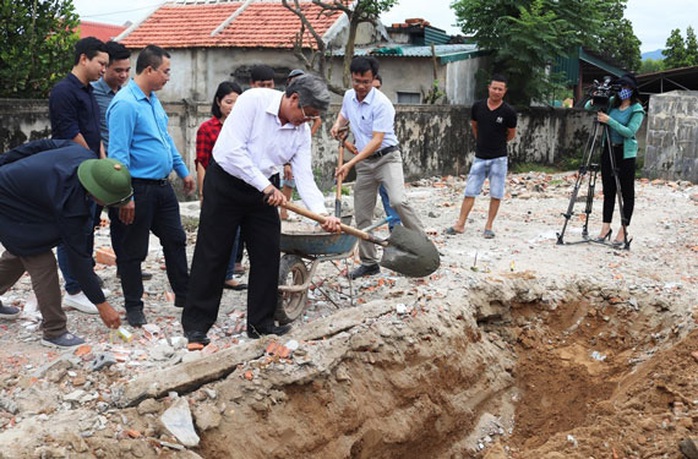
[345, 228]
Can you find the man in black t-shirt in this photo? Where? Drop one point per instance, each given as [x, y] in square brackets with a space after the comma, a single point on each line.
[494, 124]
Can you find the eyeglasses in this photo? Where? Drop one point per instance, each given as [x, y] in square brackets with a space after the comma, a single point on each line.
[306, 117]
[120, 202]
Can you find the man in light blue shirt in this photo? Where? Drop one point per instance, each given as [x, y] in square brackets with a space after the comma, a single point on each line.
[371, 118]
[139, 139]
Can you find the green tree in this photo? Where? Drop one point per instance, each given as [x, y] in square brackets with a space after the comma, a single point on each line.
[674, 51]
[651, 66]
[357, 12]
[691, 47]
[37, 45]
[617, 41]
[526, 36]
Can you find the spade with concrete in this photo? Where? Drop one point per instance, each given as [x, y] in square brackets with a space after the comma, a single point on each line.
[406, 251]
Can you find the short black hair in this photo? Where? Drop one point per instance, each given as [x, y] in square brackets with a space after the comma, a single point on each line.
[223, 90]
[89, 46]
[151, 56]
[362, 64]
[379, 78]
[261, 73]
[499, 77]
[116, 51]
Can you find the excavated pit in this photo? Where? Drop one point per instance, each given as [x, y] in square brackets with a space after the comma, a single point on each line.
[589, 375]
[514, 367]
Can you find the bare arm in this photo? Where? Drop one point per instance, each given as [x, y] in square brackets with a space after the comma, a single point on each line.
[473, 125]
[511, 133]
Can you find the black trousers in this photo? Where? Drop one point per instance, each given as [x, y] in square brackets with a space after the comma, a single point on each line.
[157, 210]
[231, 203]
[626, 174]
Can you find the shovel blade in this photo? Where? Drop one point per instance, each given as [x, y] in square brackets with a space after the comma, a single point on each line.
[410, 253]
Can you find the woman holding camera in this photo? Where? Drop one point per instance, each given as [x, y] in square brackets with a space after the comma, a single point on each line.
[623, 119]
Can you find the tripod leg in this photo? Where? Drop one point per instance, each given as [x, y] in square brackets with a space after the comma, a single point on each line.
[586, 164]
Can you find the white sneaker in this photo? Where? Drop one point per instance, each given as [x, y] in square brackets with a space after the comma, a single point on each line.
[80, 302]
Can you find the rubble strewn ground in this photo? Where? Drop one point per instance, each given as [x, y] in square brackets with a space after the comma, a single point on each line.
[517, 347]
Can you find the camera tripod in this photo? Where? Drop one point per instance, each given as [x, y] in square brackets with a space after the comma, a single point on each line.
[601, 146]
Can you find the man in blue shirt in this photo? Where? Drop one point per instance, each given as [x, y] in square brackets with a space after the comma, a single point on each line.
[115, 76]
[74, 115]
[44, 190]
[371, 117]
[138, 138]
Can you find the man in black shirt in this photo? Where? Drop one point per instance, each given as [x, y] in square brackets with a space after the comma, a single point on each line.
[494, 124]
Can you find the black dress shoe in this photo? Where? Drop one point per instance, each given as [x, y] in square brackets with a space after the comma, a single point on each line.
[365, 270]
[195, 336]
[257, 332]
[135, 317]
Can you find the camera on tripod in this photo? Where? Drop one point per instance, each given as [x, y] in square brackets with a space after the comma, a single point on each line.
[601, 93]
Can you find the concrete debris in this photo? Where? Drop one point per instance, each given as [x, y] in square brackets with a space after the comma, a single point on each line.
[178, 420]
[103, 360]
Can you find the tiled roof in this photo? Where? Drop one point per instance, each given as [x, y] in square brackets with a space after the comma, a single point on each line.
[263, 24]
[104, 32]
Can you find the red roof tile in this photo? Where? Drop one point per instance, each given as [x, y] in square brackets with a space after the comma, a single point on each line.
[260, 25]
[104, 32]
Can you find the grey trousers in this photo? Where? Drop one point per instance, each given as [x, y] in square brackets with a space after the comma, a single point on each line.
[44, 276]
[370, 173]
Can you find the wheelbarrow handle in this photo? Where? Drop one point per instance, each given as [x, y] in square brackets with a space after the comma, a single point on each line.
[345, 228]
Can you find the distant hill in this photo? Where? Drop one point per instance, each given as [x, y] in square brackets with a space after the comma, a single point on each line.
[655, 55]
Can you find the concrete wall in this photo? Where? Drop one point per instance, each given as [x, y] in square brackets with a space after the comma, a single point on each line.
[672, 136]
[435, 139]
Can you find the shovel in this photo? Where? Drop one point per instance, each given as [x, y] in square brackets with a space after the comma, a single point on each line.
[406, 251]
[338, 196]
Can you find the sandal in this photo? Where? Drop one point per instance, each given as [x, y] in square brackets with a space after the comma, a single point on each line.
[451, 231]
[488, 234]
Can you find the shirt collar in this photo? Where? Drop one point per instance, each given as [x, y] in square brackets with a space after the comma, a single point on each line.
[368, 99]
[274, 107]
[136, 90]
[76, 82]
[103, 86]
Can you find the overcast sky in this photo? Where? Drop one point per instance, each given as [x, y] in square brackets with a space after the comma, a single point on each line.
[652, 20]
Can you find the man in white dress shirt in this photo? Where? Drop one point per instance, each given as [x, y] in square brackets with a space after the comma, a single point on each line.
[266, 127]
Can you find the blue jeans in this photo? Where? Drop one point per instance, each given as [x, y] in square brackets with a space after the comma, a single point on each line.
[230, 272]
[390, 213]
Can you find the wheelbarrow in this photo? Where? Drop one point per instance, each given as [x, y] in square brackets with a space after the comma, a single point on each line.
[303, 252]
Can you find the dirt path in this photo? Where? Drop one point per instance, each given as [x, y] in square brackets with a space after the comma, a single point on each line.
[515, 348]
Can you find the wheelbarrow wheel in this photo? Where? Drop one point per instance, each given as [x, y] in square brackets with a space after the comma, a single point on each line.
[292, 271]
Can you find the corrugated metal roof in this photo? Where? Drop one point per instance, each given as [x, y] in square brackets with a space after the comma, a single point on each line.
[445, 53]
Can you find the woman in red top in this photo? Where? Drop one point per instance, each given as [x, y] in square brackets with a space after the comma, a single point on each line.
[226, 95]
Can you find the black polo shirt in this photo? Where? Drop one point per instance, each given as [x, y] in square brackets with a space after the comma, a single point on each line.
[492, 127]
[73, 109]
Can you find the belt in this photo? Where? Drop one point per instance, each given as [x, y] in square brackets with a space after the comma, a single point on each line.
[384, 151]
[157, 182]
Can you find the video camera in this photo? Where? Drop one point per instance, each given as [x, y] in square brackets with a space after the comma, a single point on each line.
[601, 93]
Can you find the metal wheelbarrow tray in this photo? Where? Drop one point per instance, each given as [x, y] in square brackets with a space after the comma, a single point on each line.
[303, 251]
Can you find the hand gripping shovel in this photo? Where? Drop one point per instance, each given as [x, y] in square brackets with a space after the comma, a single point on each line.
[405, 251]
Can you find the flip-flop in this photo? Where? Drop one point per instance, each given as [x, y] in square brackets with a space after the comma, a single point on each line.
[488, 234]
[451, 231]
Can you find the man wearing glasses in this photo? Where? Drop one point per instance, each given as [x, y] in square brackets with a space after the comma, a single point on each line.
[138, 138]
[44, 186]
[378, 162]
[265, 128]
